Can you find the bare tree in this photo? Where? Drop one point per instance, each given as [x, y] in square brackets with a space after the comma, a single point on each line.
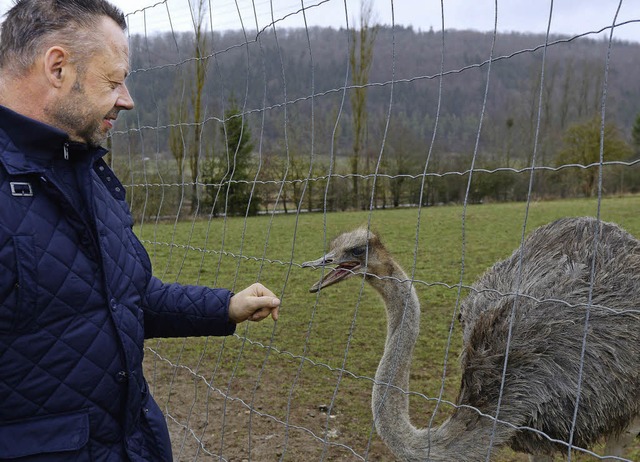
[360, 59]
[581, 146]
[200, 62]
[177, 114]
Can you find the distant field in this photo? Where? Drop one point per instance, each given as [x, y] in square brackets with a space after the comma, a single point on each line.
[281, 380]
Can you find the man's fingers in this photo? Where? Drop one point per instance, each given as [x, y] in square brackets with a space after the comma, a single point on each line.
[254, 303]
[262, 291]
[262, 313]
[267, 302]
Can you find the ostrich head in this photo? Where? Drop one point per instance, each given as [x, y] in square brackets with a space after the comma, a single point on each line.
[356, 252]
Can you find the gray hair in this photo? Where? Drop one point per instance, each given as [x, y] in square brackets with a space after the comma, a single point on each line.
[32, 25]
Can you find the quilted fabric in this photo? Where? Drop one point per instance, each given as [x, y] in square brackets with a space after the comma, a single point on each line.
[77, 300]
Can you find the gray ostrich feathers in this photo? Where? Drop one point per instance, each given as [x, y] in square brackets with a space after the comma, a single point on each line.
[533, 305]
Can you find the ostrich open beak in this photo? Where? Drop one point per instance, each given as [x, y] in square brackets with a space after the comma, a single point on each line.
[343, 270]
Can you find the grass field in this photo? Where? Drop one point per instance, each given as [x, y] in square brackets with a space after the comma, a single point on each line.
[299, 389]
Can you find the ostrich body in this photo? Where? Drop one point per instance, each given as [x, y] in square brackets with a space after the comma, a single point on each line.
[551, 273]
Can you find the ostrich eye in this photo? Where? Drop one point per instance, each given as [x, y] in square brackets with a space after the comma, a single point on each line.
[358, 251]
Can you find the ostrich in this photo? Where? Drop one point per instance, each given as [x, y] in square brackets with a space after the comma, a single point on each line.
[543, 328]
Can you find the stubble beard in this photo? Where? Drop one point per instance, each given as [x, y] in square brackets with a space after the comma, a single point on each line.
[72, 115]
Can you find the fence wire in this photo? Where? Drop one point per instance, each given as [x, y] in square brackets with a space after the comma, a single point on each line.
[238, 169]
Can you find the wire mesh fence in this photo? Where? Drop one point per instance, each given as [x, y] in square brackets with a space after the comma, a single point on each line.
[259, 135]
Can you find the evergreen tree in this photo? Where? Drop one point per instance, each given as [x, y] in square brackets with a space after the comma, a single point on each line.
[635, 135]
[229, 181]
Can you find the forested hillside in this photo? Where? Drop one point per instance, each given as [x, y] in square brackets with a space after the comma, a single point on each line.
[294, 89]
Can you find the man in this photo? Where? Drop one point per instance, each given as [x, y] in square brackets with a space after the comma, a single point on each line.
[77, 297]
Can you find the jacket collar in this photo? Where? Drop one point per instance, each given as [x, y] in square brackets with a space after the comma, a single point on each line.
[29, 142]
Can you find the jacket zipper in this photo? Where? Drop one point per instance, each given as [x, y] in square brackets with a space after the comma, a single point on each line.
[65, 147]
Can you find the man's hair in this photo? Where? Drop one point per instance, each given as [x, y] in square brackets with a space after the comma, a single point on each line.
[32, 26]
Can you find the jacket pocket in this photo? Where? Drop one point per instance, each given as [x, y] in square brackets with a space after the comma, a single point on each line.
[60, 437]
[18, 294]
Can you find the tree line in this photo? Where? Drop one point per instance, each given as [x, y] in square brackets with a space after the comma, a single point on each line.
[326, 119]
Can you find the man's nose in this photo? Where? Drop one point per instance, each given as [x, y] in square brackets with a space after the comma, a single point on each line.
[125, 101]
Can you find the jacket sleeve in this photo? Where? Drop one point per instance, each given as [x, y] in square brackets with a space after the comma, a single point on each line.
[176, 310]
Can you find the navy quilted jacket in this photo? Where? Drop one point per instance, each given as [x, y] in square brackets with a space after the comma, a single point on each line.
[77, 300]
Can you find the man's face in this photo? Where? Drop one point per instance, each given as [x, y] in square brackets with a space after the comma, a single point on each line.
[92, 103]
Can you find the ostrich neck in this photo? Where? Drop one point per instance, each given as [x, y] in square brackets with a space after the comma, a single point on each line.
[390, 401]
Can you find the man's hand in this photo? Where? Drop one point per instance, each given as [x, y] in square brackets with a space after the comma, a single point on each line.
[254, 303]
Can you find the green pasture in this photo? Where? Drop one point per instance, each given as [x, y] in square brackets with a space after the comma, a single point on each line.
[312, 369]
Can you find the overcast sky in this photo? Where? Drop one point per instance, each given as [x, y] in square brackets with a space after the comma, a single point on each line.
[567, 17]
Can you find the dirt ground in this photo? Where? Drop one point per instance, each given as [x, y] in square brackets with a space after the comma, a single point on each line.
[237, 421]
[204, 426]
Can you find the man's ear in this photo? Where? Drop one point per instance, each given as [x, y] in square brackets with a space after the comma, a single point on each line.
[56, 65]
